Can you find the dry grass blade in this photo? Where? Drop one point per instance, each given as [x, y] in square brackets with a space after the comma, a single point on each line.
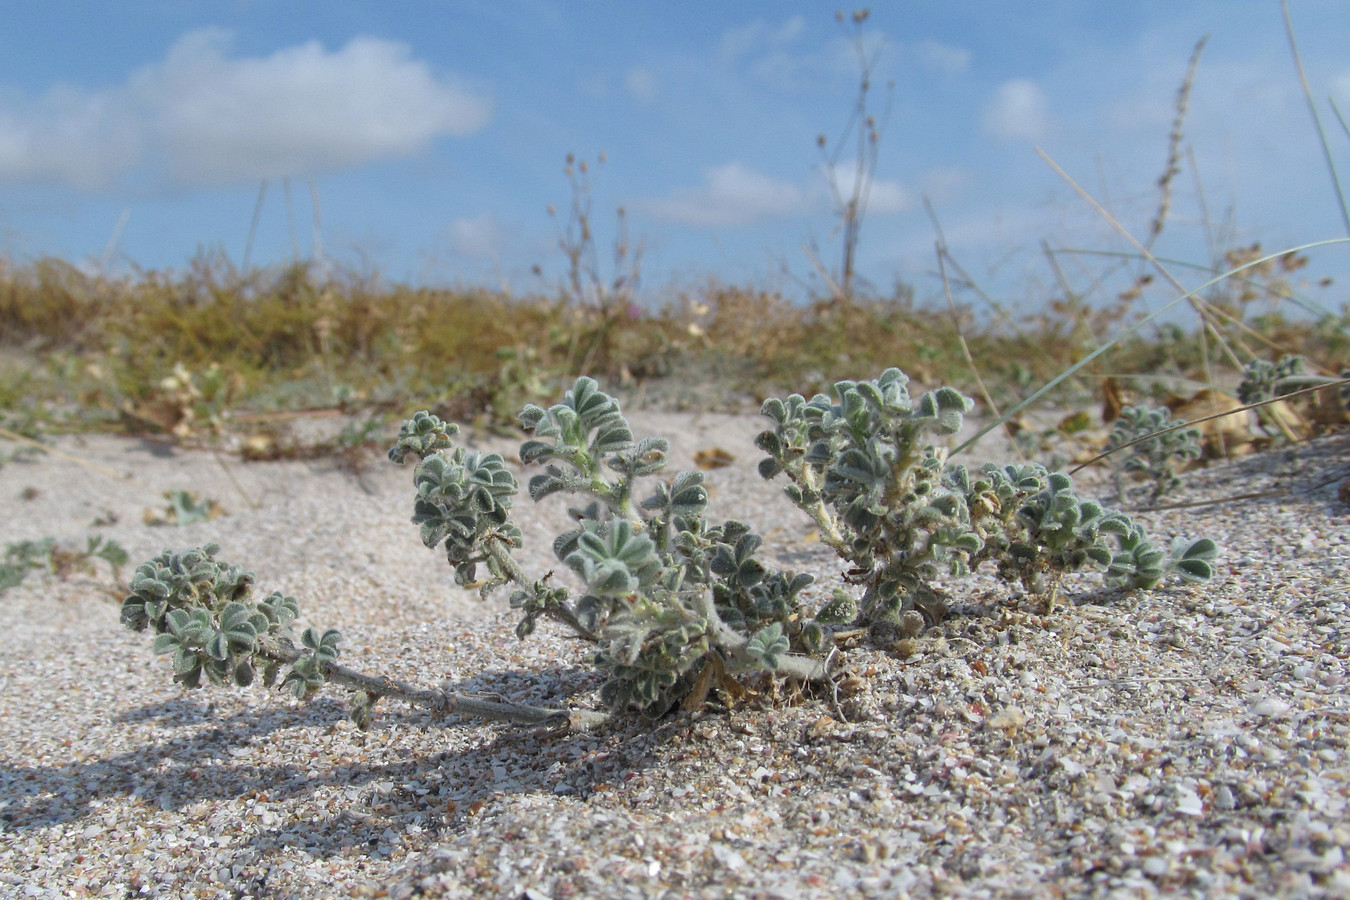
[1201, 308]
[965, 348]
[82, 463]
[1331, 101]
[1307, 304]
[836, 291]
[1317, 120]
[1005, 317]
[1132, 329]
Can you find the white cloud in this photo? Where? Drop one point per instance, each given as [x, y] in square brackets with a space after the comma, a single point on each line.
[1340, 89]
[758, 36]
[68, 137]
[733, 195]
[299, 111]
[1019, 111]
[942, 183]
[942, 59]
[774, 57]
[638, 83]
[888, 196]
[883, 195]
[730, 195]
[481, 237]
[1141, 113]
[210, 119]
[767, 54]
[641, 84]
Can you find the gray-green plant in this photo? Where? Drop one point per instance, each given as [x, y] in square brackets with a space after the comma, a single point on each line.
[204, 614]
[18, 454]
[183, 508]
[1263, 380]
[664, 593]
[887, 500]
[674, 604]
[23, 558]
[1151, 448]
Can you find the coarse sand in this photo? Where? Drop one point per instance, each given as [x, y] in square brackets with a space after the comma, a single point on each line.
[1188, 741]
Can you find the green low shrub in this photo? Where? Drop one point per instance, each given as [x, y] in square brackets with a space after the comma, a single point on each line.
[673, 604]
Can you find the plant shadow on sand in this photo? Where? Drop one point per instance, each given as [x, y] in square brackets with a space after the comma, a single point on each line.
[439, 789]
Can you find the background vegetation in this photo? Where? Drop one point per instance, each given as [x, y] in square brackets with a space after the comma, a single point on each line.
[189, 354]
[218, 348]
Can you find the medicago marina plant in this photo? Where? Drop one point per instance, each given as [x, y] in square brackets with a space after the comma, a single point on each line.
[674, 605]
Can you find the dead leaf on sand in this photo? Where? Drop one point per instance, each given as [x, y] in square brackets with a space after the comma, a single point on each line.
[713, 458]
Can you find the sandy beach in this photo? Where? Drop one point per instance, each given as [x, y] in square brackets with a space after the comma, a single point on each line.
[1189, 741]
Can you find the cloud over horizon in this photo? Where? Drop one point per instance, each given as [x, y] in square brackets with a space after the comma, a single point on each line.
[938, 58]
[1019, 111]
[884, 195]
[480, 237]
[208, 119]
[731, 195]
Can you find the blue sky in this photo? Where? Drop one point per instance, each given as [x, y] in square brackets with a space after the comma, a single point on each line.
[133, 134]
